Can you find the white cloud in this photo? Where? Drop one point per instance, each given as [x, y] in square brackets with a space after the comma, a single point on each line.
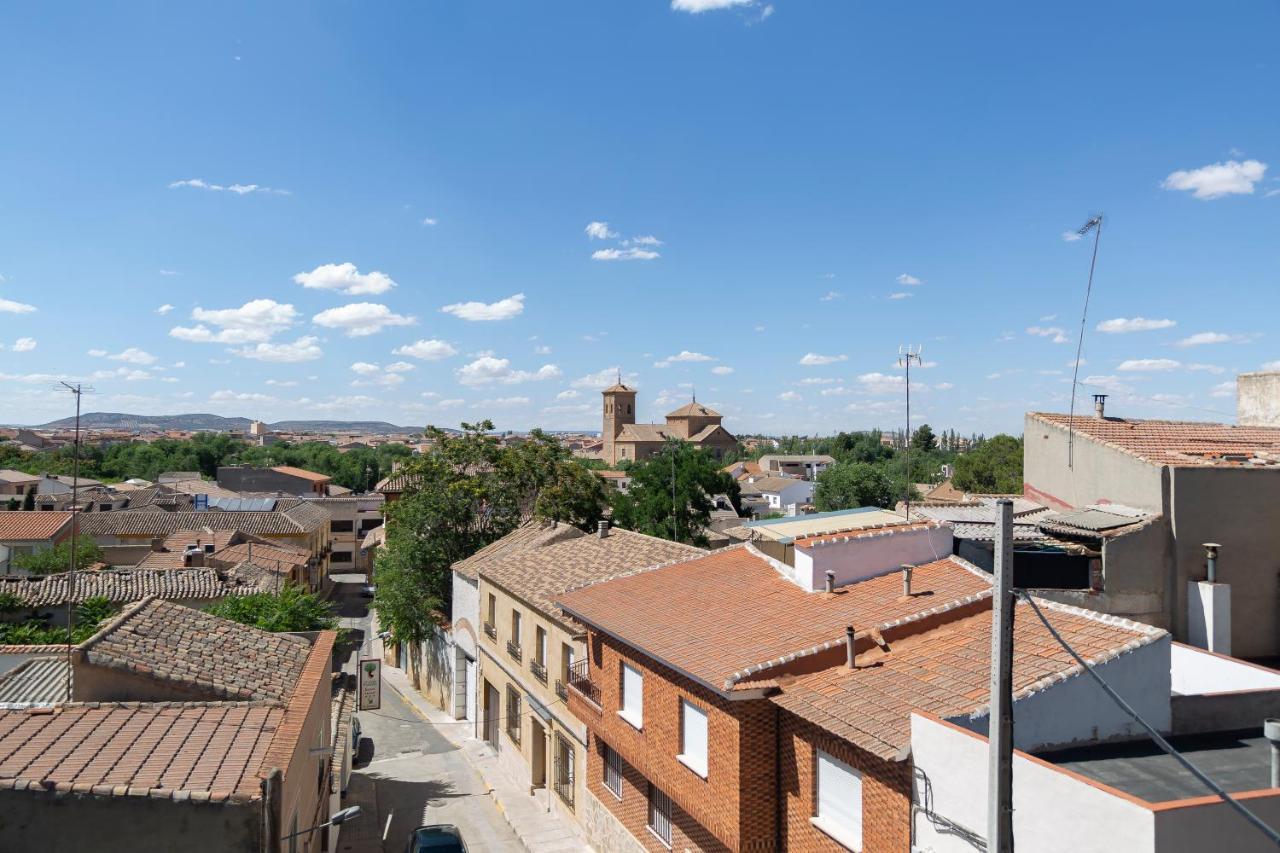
[943, 386]
[229, 396]
[501, 403]
[575, 409]
[8, 306]
[1203, 338]
[568, 394]
[1113, 384]
[488, 369]
[698, 6]
[1224, 389]
[430, 221]
[503, 309]
[1206, 368]
[1070, 236]
[830, 296]
[602, 379]
[238, 189]
[820, 380]
[882, 383]
[24, 344]
[901, 295]
[98, 353]
[427, 350]
[399, 367]
[1271, 366]
[1148, 364]
[282, 383]
[722, 370]
[169, 272]
[908, 280]
[256, 320]
[451, 403]
[1059, 335]
[133, 355]
[1218, 179]
[364, 368]
[1123, 325]
[303, 349]
[789, 396]
[683, 356]
[345, 278]
[814, 359]
[542, 349]
[646, 240]
[599, 231]
[164, 309]
[628, 254]
[361, 318]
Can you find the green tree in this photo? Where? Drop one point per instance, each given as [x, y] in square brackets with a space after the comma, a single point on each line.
[671, 493]
[291, 609]
[849, 485]
[58, 558]
[923, 439]
[29, 502]
[993, 467]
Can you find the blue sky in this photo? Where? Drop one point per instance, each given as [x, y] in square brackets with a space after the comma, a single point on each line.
[436, 212]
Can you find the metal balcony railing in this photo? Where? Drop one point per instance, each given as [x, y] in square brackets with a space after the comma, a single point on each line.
[580, 680]
[539, 671]
[490, 631]
[513, 649]
[561, 690]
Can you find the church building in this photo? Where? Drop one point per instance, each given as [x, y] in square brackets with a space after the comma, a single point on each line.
[626, 440]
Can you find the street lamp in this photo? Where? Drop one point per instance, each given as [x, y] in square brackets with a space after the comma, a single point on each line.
[350, 813]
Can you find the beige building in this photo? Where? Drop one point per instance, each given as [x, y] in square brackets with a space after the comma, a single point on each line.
[528, 648]
[626, 440]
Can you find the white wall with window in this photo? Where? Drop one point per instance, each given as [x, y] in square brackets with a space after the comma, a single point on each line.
[632, 709]
[839, 800]
[693, 738]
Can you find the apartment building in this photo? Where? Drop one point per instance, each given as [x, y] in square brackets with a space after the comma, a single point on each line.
[529, 650]
[731, 704]
[352, 518]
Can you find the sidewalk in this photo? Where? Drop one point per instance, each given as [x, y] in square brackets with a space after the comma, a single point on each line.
[539, 831]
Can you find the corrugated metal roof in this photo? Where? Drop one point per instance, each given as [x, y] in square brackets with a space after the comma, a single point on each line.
[1092, 519]
[39, 681]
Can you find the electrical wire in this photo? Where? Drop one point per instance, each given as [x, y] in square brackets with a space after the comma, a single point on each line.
[1213, 786]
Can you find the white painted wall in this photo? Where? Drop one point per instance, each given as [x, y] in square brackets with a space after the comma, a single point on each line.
[1076, 711]
[1053, 811]
[858, 559]
[1209, 616]
[1197, 671]
[466, 605]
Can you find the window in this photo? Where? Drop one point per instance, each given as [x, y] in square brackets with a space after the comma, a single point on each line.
[660, 815]
[493, 610]
[340, 557]
[563, 778]
[345, 526]
[839, 801]
[513, 713]
[613, 771]
[515, 627]
[632, 696]
[693, 738]
[540, 650]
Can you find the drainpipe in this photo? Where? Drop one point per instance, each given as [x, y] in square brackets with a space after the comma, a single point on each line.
[831, 581]
[848, 647]
[272, 820]
[1271, 730]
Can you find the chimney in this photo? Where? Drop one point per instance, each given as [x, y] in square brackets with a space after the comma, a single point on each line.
[1100, 406]
[602, 528]
[1271, 731]
[209, 547]
[831, 581]
[1211, 561]
[157, 545]
[848, 647]
[906, 580]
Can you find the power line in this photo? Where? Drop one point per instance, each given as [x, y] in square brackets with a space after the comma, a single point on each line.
[1213, 786]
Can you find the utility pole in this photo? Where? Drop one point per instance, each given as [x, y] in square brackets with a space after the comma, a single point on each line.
[1000, 718]
[906, 355]
[77, 390]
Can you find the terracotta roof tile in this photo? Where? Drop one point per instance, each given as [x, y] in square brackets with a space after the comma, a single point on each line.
[533, 534]
[17, 525]
[175, 544]
[124, 585]
[303, 473]
[1184, 443]
[721, 615]
[291, 517]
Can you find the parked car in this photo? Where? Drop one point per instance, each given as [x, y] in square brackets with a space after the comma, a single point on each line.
[436, 838]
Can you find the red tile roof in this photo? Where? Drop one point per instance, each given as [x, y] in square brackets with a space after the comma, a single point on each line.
[1176, 442]
[19, 525]
[175, 545]
[303, 473]
[715, 617]
[946, 671]
[165, 749]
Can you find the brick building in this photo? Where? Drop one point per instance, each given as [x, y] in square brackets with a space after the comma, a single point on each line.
[723, 714]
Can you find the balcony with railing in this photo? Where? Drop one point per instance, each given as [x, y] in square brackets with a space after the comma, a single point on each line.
[513, 649]
[561, 690]
[491, 632]
[539, 671]
[583, 688]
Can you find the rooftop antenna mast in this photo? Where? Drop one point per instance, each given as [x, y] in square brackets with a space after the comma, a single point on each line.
[76, 389]
[1095, 225]
[906, 355]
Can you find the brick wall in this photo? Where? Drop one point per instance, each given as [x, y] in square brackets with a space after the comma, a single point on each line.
[886, 791]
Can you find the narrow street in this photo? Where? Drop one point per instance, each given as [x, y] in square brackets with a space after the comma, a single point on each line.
[406, 774]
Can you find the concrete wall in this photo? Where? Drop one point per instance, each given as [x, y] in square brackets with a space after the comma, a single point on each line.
[1197, 671]
[1100, 474]
[40, 820]
[1053, 811]
[245, 479]
[1258, 399]
[1076, 711]
[858, 559]
[1207, 823]
[91, 683]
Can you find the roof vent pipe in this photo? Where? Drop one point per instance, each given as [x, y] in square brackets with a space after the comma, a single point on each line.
[831, 581]
[848, 646]
[602, 528]
[1271, 731]
[1100, 405]
[1211, 561]
[906, 580]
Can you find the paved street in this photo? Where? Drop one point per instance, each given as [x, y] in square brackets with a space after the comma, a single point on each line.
[407, 774]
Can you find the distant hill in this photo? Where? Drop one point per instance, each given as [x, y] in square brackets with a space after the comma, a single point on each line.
[117, 420]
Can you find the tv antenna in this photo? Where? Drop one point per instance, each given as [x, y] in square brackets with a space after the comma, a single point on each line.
[1095, 225]
[906, 355]
[77, 389]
